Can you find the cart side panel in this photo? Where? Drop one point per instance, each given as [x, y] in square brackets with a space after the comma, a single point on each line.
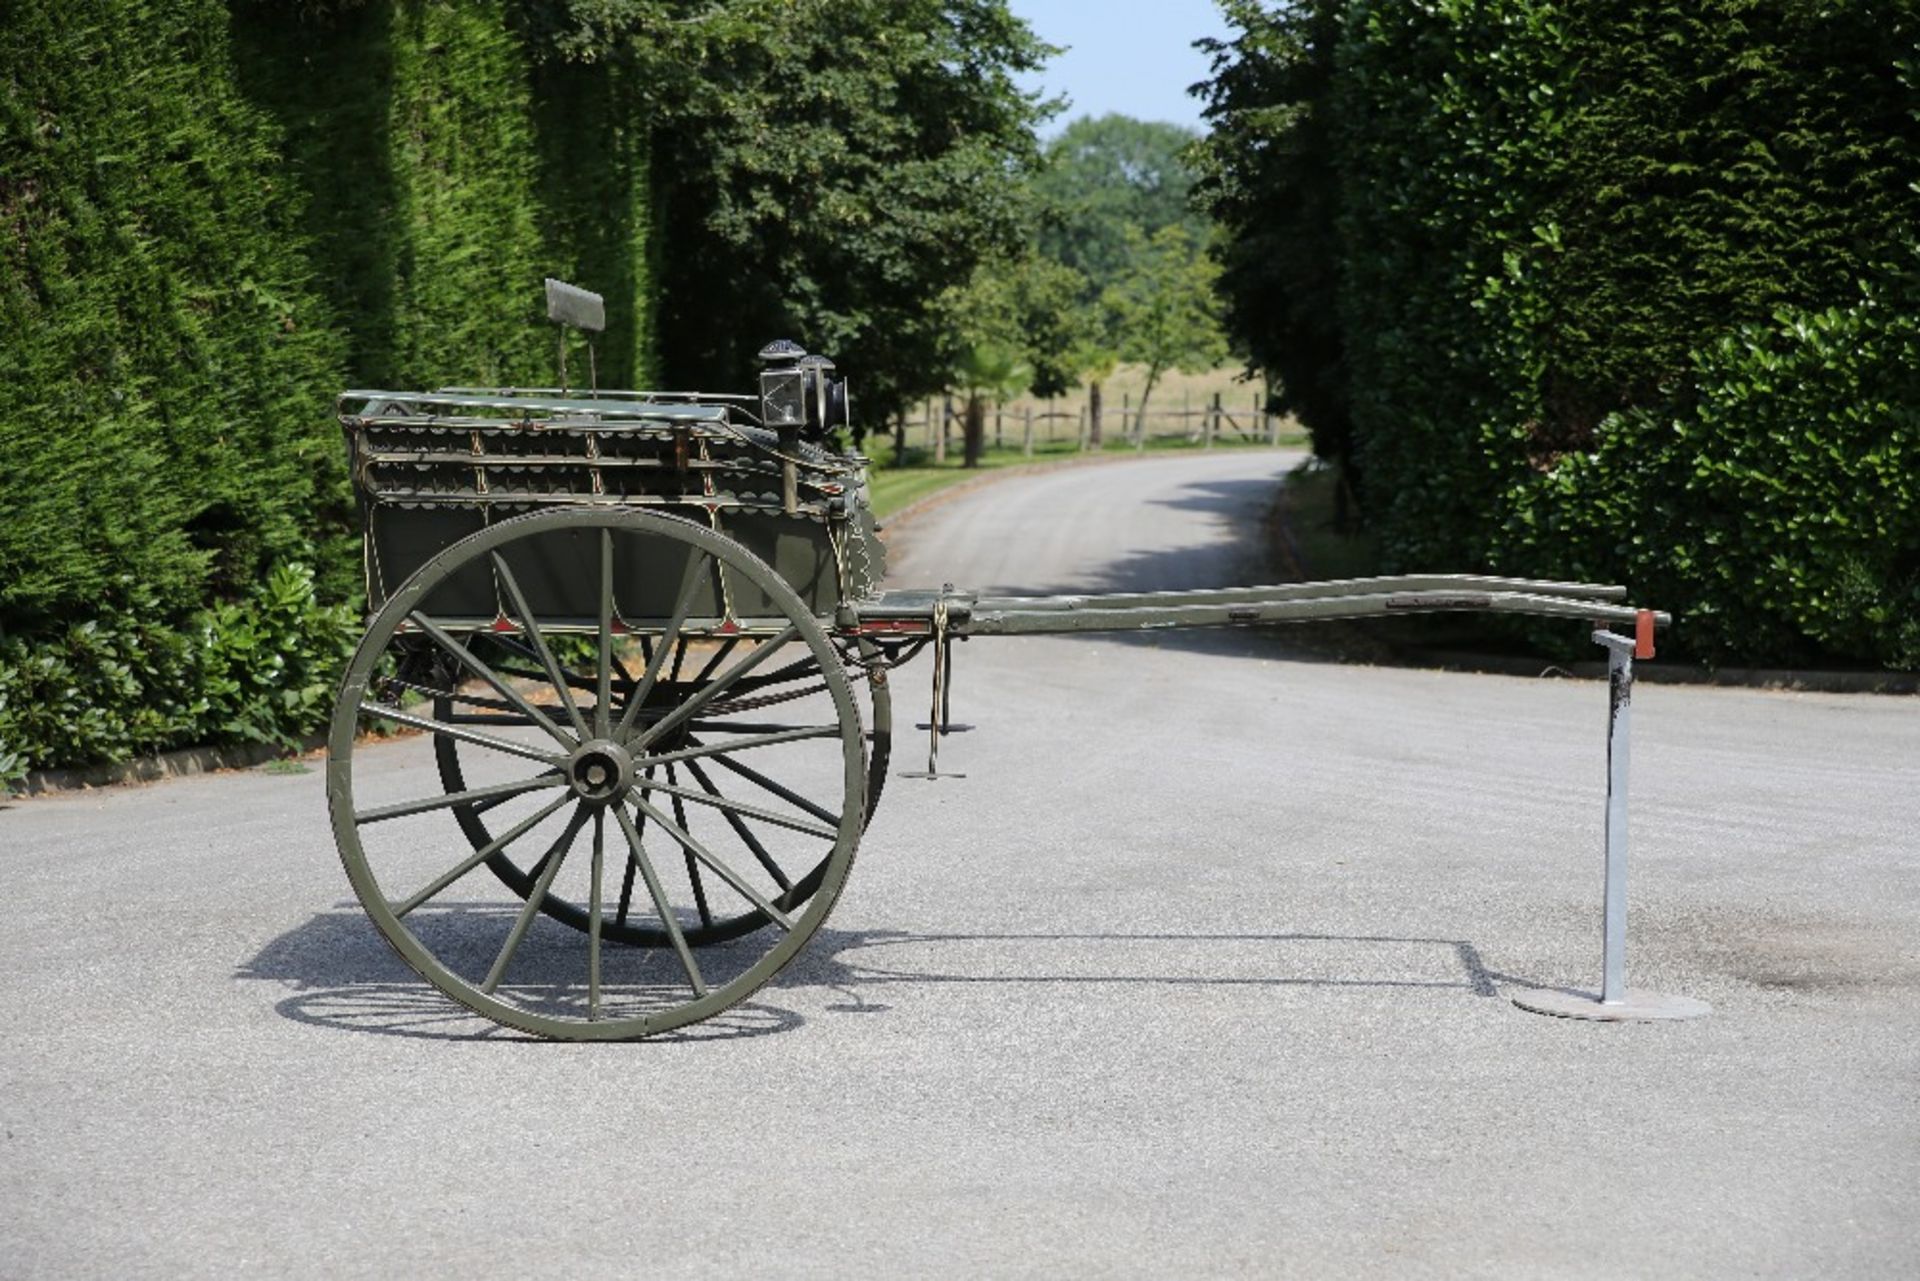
[401, 538]
[799, 552]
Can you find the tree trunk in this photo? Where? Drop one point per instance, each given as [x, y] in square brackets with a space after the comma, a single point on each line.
[1093, 414]
[1140, 420]
[900, 439]
[940, 436]
[976, 428]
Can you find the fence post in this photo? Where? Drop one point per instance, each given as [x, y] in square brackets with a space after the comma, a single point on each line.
[940, 436]
[1026, 431]
[999, 439]
[1210, 427]
[1273, 428]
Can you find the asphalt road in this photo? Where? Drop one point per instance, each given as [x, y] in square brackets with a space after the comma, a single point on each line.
[1200, 971]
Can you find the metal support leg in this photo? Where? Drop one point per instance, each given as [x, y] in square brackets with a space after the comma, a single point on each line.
[942, 673]
[1615, 1003]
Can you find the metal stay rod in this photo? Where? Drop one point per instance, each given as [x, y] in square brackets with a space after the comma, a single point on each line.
[1014, 622]
[1305, 591]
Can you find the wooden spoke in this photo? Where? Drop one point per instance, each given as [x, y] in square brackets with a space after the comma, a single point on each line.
[751, 701]
[740, 829]
[626, 884]
[593, 914]
[735, 727]
[682, 605]
[719, 656]
[719, 802]
[603, 701]
[553, 858]
[381, 813]
[719, 686]
[706, 856]
[797, 734]
[472, 663]
[478, 739]
[693, 868]
[667, 919]
[531, 629]
[478, 857]
[784, 793]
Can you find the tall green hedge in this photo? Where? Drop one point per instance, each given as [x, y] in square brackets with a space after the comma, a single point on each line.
[1621, 291]
[212, 218]
[447, 161]
[164, 353]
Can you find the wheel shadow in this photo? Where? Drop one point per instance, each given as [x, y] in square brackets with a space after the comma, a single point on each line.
[345, 977]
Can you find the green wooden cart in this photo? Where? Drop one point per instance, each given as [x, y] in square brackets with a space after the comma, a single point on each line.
[647, 635]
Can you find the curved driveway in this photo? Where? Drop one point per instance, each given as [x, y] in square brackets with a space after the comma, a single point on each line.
[1159, 523]
[1200, 971]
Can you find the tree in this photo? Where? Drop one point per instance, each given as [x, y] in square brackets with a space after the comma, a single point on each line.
[990, 320]
[1266, 175]
[1107, 176]
[1164, 310]
[825, 170]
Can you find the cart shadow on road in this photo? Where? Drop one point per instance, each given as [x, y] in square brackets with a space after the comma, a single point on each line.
[344, 976]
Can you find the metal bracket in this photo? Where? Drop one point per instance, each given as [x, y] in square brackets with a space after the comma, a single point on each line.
[936, 718]
[570, 306]
[1615, 1003]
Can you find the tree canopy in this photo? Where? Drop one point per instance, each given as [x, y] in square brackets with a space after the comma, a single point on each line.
[1105, 177]
[824, 170]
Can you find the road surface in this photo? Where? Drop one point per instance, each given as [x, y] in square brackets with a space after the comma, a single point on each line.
[1200, 971]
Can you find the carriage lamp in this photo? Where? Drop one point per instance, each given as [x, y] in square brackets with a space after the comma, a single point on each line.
[783, 386]
[819, 389]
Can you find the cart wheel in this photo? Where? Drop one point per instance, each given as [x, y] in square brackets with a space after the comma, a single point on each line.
[777, 779]
[521, 874]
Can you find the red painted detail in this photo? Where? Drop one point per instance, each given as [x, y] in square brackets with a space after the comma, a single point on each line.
[503, 624]
[727, 628]
[893, 627]
[621, 629]
[1643, 634]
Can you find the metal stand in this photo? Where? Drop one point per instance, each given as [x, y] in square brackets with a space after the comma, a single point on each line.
[942, 673]
[1615, 1003]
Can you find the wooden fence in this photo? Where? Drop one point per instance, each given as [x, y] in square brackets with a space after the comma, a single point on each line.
[941, 425]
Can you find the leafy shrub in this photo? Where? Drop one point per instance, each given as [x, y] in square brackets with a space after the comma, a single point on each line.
[1782, 496]
[122, 684]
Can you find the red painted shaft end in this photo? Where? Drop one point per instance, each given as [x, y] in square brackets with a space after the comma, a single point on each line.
[1643, 634]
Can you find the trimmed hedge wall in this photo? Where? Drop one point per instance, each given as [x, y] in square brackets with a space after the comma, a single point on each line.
[212, 219]
[446, 164]
[1623, 291]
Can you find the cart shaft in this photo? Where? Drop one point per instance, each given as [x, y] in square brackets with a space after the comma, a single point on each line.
[972, 614]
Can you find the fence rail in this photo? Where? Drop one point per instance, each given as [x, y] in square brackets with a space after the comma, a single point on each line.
[941, 425]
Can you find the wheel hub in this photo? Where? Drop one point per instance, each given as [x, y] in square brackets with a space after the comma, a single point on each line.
[600, 771]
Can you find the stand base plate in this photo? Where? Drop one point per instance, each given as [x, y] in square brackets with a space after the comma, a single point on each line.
[1636, 1007]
